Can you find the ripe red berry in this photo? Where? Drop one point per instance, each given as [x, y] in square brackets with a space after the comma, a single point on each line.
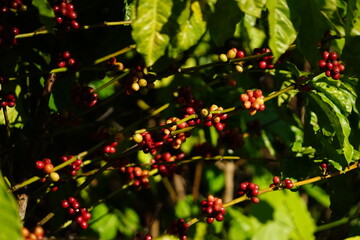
[257, 93]
[240, 54]
[322, 63]
[255, 200]
[210, 220]
[39, 165]
[333, 56]
[84, 225]
[65, 204]
[325, 55]
[276, 180]
[336, 76]
[262, 64]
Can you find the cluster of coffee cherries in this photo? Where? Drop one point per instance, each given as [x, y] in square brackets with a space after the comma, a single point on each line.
[7, 35]
[139, 80]
[333, 68]
[46, 166]
[251, 190]
[84, 96]
[214, 119]
[74, 167]
[110, 148]
[149, 142]
[142, 236]
[175, 140]
[12, 6]
[65, 60]
[231, 54]
[179, 228]
[253, 101]
[65, 16]
[139, 177]
[7, 100]
[264, 62]
[80, 215]
[185, 97]
[278, 184]
[212, 208]
[163, 163]
[36, 234]
[113, 65]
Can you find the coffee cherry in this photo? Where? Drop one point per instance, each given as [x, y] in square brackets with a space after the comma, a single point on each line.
[231, 53]
[48, 168]
[39, 165]
[39, 231]
[276, 180]
[54, 176]
[333, 56]
[239, 68]
[138, 138]
[223, 57]
[65, 204]
[288, 183]
[262, 64]
[240, 54]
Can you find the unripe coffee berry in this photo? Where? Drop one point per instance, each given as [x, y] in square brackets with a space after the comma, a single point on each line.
[54, 176]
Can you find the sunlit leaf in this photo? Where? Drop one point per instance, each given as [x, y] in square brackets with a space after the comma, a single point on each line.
[148, 32]
[9, 217]
[281, 29]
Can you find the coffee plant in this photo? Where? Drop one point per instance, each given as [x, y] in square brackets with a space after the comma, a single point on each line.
[193, 119]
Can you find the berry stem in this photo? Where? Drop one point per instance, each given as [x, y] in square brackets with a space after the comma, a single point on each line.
[296, 184]
[334, 224]
[112, 81]
[103, 168]
[122, 51]
[85, 27]
[60, 166]
[278, 93]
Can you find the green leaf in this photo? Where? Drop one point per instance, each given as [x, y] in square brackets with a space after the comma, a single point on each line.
[9, 218]
[290, 213]
[318, 194]
[339, 123]
[252, 7]
[272, 231]
[129, 221]
[44, 8]
[222, 28]
[311, 27]
[103, 222]
[352, 24]
[46, 13]
[105, 92]
[337, 94]
[241, 226]
[330, 12]
[191, 28]
[252, 32]
[148, 32]
[183, 208]
[281, 29]
[215, 179]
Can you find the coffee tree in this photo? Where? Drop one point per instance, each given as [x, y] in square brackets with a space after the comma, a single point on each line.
[162, 119]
